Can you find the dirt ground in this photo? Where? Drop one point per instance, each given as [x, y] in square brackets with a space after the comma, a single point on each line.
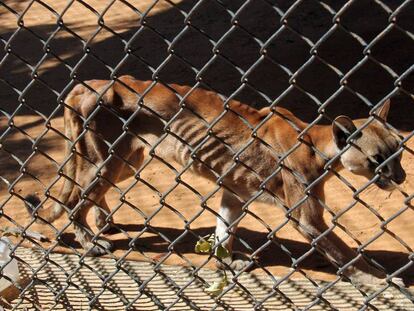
[167, 224]
[390, 249]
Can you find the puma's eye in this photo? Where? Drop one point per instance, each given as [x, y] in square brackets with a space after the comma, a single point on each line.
[378, 158]
[375, 160]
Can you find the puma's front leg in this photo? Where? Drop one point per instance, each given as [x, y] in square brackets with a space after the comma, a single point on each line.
[313, 227]
[337, 251]
[230, 211]
[308, 219]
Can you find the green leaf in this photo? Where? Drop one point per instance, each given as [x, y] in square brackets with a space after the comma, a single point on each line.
[217, 287]
[222, 252]
[203, 247]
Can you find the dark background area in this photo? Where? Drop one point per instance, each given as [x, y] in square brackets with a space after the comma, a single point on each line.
[239, 49]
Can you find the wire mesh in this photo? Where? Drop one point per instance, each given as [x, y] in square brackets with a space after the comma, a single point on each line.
[317, 58]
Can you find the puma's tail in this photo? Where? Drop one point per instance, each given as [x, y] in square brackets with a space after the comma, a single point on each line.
[73, 127]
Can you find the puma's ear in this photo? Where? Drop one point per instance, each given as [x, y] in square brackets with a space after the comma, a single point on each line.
[342, 128]
[383, 111]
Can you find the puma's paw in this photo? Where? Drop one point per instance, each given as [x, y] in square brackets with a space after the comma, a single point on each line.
[239, 264]
[101, 247]
[398, 281]
[233, 263]
[363, 278]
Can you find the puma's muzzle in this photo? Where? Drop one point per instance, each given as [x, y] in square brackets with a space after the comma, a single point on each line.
[388, 182]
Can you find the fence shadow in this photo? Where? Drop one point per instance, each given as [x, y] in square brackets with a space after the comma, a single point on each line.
[270, 256]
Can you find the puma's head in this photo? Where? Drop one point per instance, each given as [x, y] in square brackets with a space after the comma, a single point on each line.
[375, 145]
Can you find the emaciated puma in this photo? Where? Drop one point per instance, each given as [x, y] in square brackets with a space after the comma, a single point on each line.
[181, 124]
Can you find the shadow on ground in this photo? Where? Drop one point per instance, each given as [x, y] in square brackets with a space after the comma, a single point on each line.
[238, 51]
[270, 256]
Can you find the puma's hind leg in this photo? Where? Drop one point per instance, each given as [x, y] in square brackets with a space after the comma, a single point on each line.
[102, 209]
[94, 187]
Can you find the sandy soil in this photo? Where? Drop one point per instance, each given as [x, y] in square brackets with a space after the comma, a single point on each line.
[390, 249]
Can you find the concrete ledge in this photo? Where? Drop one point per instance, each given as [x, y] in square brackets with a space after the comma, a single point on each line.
[63, 283]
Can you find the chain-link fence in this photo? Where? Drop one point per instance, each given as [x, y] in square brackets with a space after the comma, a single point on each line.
[162, 234]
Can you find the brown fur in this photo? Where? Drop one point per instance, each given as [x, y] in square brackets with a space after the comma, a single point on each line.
[193, 114]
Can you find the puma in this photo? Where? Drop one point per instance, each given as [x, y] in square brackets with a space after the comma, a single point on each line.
[222, 142]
